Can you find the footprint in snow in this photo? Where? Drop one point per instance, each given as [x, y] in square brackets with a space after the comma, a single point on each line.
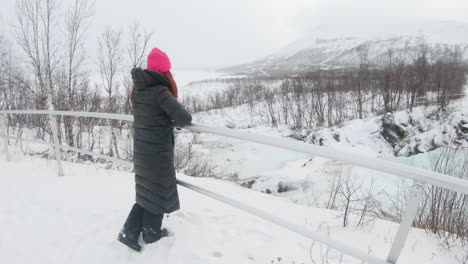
[217, 254]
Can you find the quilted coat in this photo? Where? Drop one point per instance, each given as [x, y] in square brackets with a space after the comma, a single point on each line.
[156, 112]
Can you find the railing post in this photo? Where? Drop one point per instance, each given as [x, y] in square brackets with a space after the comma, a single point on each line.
[405, 225]
[4, 129]
[58, 154]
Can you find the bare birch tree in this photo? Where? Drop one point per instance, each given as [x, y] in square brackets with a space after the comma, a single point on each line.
[109, 65]
[36, 35]
[76, 23]
[137, 49]
[139, 40]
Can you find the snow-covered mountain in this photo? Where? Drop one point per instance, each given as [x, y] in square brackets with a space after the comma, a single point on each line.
[332, 46]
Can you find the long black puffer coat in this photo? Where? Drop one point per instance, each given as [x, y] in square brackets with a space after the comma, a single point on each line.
[156, 111]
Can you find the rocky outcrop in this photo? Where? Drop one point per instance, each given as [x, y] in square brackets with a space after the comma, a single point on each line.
[392, 132]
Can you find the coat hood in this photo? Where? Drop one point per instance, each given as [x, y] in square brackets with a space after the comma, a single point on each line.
[147, 78]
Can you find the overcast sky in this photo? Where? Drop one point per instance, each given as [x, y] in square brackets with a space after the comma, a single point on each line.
[213, 33]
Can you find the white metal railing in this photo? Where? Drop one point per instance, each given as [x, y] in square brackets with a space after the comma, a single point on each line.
[420, 176]
[431, 98]
[428, 96]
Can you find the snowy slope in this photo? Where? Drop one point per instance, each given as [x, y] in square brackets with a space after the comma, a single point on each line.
[331, 46]
[76, 218]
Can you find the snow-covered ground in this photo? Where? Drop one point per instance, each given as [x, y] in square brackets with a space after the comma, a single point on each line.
[76, 218]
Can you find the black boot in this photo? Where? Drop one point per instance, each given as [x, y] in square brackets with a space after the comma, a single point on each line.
[132, 228]
[152, 227]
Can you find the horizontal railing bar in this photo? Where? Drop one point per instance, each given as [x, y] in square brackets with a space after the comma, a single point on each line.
[440, 95]
[71, 113]
[255, 211]
[91, 153]
[386, 166]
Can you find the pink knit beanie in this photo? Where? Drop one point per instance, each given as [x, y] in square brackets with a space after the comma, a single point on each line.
[158, 61]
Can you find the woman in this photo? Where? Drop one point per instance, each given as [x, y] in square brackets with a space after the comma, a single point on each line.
[156, 111]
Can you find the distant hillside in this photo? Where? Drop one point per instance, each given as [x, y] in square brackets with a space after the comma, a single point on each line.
[336, 47]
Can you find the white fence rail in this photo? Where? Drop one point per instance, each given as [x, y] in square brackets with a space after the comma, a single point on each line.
[420, 176]
[435, 98]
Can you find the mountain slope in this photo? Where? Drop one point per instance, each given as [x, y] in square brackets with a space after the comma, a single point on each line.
[343, 45]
